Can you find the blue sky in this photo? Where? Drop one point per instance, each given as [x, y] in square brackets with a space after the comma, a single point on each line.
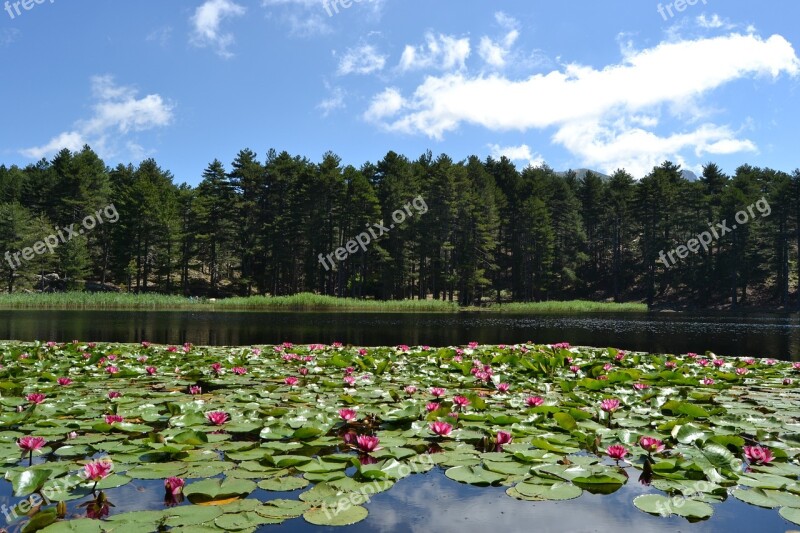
[570, 83]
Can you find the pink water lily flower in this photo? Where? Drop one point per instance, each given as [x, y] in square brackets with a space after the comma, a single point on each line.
[503, 437]
[787, 381]
[35, 398]
[617, 452]
[432, 406]
[460, 401]
[503, 387]
[438, 391]
[411, 389]
[195, 389]
[442, 429]
[114, 394]
[707, 381]
[367, 444]
[98, 470]
[609, 405]
[216, 368]
[534, 401]
[31, 444]
[350, 380]
[741, 371]
[239, 370]
[217, 418]
[111, 369]
[758, 455]
[112, 419]
[151, 370]
[174, 485]
[291, 381]
[641, 386]
[64, 381]
[348, 415]
[651, 444]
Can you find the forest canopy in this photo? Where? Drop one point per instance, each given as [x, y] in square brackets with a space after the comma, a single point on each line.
[490, 231]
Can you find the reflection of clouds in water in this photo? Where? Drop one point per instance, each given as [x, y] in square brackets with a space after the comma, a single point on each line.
[432, 505]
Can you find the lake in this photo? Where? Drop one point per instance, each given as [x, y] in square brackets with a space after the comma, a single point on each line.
[761, 335]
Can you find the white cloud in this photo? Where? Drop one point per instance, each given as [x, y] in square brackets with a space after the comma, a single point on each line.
[207, 20]
[312, 17]
[439, 51]
[385, 105]
[713, 23]
[116, 114]
[363, 59]
[160, 35]
[517, 153]
[600, 115]
[495, 53]
[332, 103]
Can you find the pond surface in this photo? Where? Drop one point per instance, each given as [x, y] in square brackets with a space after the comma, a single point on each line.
[775, 335]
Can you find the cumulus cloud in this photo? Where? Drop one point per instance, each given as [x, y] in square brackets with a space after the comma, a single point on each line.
[313, 17]
[364, 59]
[517, 153]
[444, 52]
[117, 113]
[605, 116]
[496, 52]
[333, 102]
[207, 21]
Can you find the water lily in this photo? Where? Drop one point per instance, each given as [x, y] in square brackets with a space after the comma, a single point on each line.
[97, 470]
[113, 419]
[348, 415]
[575, 369]
[502, 438]
[367, 444]
[291, 381]
[534, 401]
[670, 365]
[174, 485]
[641, 386]
[114, 394]
[432, 406]
[787, 381]
[609, 405]
[460, 401]
[758, 455]
[617, 452]
[195, 389]
[239, 370]
[741, 371]
[442, 429]
[216, 368]
[411, 389]
[217, 418]
[111, 369]
[707, 381]
[350, 380]
[31, 444]
[35, 398]
[438, 391]
[503, 387]
[151, 370]
[64, 381]
[651, 444]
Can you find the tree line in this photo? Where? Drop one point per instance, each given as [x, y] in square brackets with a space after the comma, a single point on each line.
[491, 231]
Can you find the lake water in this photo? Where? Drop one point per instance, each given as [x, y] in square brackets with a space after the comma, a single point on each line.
[775, 335]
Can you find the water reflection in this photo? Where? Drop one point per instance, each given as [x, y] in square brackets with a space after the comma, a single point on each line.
[761, 335]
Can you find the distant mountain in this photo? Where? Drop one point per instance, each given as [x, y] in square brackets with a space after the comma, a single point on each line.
[688, 175]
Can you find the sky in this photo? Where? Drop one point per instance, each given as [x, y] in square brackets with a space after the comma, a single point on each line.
[567, 83]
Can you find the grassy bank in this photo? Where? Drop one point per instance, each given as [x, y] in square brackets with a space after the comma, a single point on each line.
[298, 302]
[574, 306]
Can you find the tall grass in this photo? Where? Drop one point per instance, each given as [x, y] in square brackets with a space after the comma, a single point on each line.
[574, 306]
[298, 302]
